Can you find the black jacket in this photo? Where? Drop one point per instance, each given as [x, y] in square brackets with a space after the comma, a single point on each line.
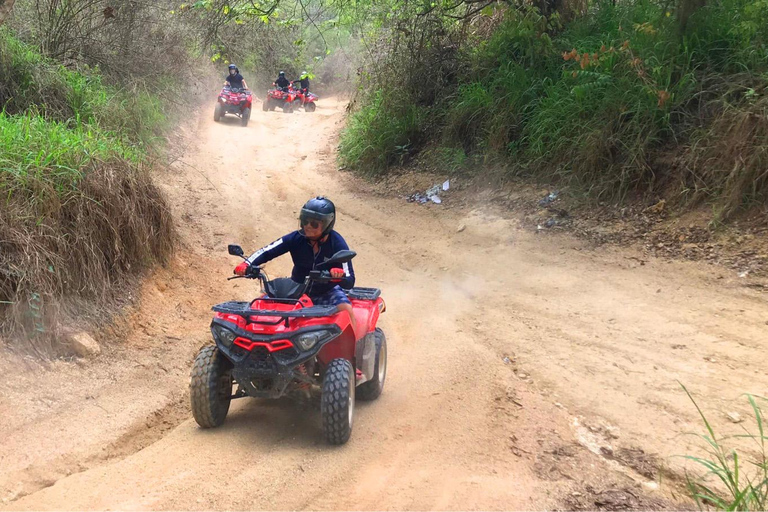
[235, 81]
[305, 260]
[303, 83]
[282, 82]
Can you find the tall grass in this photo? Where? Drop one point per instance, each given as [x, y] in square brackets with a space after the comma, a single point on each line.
[28, 81]
[382, 133]
[79, 211]
[34, 147]
[740, 483]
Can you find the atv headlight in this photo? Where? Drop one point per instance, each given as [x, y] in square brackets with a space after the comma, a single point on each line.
[225, 336]
[309, 339]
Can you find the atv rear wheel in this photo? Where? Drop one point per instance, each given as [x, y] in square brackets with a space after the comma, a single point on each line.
[372, 389]
[265, 105]
[337, 403]
[246, 115]
[210, 387]
[288, 107]
[310, 107]
[217, 112]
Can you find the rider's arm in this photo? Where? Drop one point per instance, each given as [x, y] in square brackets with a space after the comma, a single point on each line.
[272, 251]
[340, 244]
[349, 280]
[245, 85]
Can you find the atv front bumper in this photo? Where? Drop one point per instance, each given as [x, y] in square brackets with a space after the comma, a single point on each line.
[233, 108]
[262, 373]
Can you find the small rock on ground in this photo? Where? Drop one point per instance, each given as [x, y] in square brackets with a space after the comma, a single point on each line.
[83, 344]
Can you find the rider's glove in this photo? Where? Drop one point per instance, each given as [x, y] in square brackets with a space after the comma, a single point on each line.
[337, 274]
[242, 268]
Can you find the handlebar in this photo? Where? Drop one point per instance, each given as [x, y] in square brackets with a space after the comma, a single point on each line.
[316, 276]
[322, 275]
[237, 89]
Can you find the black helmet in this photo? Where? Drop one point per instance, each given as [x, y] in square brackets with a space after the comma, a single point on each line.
[232, 66]
[319, 209]
[282, 73]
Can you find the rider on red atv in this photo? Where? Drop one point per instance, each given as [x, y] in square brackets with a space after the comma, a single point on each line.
[303, 82]
[282, 83]
[234, 79]
[314, 243]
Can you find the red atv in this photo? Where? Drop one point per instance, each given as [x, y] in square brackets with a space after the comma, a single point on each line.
[283, 98]
[306, 100]
[281, 344]
[233, 100]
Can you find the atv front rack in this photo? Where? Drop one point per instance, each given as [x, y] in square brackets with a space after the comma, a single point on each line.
[244, 309]
[361, 293]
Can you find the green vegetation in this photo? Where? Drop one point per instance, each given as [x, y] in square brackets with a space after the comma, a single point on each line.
[33, 83]
[79, 211]
[733, 481]
[380, 134]
[618, 99]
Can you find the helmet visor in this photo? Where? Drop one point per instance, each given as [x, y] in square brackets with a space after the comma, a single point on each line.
[314, 219]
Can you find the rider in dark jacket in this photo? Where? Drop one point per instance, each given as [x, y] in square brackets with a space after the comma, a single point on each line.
[314, 243]
[281, 81]
[234, 79]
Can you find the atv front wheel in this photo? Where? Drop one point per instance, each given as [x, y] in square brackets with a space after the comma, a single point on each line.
[310, 107]
[217, 112]
[337, 403]
[288, 107]
[265, 105]
[372, 389]
[245, 117]
[210, 387]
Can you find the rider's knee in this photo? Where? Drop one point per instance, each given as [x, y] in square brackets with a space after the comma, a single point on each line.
[348, 308]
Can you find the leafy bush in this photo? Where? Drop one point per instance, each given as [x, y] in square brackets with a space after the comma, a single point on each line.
[600, 102]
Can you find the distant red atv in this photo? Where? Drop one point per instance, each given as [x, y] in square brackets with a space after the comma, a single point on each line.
[282, 344]
[277, 97]
[233, 100]
[305, 100]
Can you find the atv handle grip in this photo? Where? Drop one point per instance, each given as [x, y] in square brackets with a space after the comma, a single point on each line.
[250, 273]
[320, 276]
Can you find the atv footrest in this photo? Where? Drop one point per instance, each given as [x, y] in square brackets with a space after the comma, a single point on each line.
[364, 293]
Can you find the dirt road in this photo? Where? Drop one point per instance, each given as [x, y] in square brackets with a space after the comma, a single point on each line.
[525, 371]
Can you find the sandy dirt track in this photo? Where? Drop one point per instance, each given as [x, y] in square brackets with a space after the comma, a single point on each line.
[525, 371]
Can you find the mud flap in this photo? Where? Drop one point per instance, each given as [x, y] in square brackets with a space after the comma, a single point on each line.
[365, 356]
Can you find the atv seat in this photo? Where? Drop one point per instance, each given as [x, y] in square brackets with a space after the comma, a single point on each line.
[284, 288]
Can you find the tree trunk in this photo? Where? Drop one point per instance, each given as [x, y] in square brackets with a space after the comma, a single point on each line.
[5, 9]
